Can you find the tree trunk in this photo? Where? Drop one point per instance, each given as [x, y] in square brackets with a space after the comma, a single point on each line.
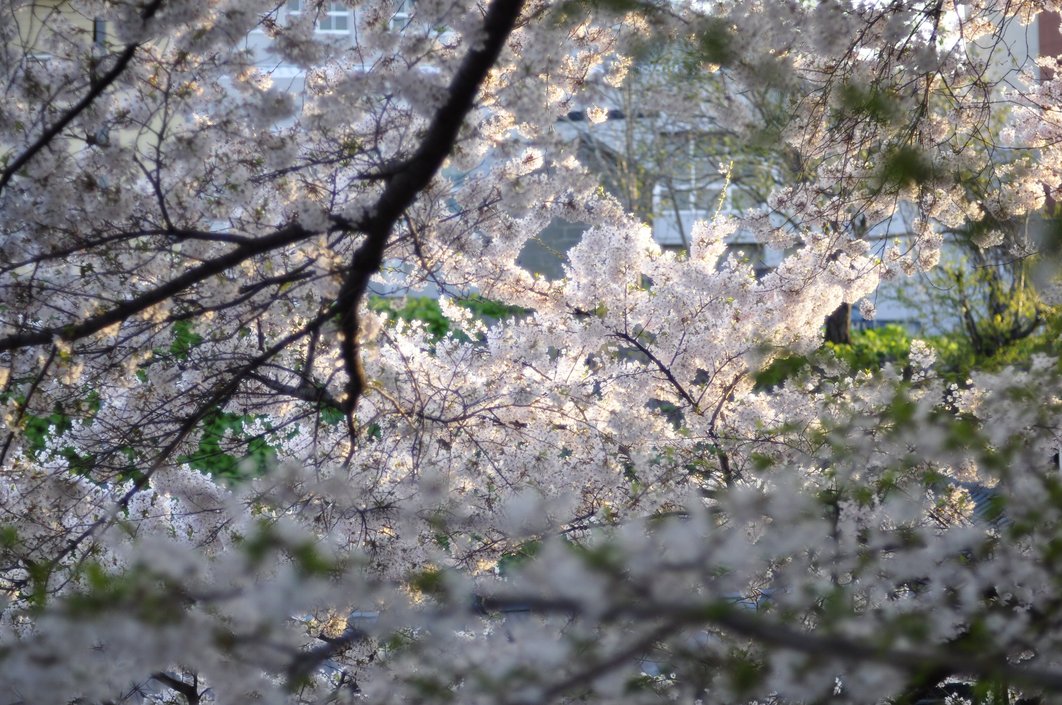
[839, 325]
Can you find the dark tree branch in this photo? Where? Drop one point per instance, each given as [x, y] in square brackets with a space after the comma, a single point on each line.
[178, 234]
[96, 89]
[306, 662]
[664, 369]
[188, 690]
[413, 176]
[94, 324]
[974, 660]
[724, 459]
[307, 390]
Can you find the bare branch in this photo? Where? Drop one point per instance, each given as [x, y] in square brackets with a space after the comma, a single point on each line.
[97, 89]
[94, 324]
[415, 175]
[188, 690]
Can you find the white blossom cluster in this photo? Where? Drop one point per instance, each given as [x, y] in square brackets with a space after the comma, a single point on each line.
[227, 476]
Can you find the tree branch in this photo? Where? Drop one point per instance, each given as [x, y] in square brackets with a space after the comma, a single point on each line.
[94, 324]
[96, 89]
[188, 690]
[414, 176]
[307, 390]
[947, 659]
[306, 662]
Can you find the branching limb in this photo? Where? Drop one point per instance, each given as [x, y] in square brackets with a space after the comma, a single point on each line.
[98, 87]
[94, 324]
[306, 662]
[190, 691]
[414, 176]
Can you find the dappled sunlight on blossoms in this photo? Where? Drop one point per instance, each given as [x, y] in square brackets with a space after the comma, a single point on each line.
[291, 413]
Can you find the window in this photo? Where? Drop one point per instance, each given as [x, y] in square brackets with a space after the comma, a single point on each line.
[403, 14]
[99, 33]
[332, 17]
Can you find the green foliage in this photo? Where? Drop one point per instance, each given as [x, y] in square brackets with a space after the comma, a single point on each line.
[426, 310]
[902, 409]
[869, 101]
[212, 459]
[907, 166]
[265, 540]
[780, 369]
[331, 416]
[8, 537]
[745, 670]
[209, 457]
[37, 573]
[36, 429]
[133, 591]
[431, 690]
[869, 350]
[184, 339]
[429, 582]
[993, 297]
[874, 347]
[959, 355]
[310, 561]
[489, 309]
[523, 553]
[715, 42]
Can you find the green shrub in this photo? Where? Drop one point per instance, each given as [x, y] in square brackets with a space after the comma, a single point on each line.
[426, 309]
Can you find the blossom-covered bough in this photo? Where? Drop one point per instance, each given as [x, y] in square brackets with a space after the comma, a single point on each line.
[224, 478]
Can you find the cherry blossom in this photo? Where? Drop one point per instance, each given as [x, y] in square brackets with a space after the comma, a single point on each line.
[591, 496]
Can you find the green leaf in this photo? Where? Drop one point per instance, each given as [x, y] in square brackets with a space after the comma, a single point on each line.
[869, 101]
[907, 166]
[429, 581]
[715, 42]
[8, 537]
[184, 339]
